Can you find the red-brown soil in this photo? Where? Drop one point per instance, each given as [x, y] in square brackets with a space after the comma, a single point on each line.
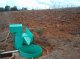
[60, 37]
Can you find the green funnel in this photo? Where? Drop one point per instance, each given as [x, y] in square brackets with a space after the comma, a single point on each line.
[31, 51]
[27, 39]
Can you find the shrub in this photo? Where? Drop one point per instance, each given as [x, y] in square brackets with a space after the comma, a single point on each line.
[39, 31]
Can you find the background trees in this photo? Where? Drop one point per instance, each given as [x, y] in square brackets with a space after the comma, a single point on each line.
[1, 9]
[14, 8]
[8, 8]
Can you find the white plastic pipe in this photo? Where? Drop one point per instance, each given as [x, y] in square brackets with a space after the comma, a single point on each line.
[9, 52]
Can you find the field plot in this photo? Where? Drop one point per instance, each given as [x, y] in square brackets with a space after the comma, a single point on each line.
[57, 31]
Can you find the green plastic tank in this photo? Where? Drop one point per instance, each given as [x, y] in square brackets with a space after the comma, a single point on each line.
[17, 30]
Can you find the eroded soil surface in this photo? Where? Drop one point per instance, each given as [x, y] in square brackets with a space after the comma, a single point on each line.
[58, 34]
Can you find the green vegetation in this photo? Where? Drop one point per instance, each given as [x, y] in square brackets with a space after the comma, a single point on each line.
[8, 8]
[39, 31]
[14, 8]
[1, 9]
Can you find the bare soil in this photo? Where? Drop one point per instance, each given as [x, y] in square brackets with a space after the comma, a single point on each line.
[59, 31]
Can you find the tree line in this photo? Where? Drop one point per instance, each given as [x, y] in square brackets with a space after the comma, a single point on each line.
[8, 8]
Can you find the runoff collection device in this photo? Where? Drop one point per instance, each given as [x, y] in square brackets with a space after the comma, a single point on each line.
[23, 41]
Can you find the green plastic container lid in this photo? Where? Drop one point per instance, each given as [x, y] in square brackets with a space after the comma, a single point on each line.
[15, 28]
[31, 51]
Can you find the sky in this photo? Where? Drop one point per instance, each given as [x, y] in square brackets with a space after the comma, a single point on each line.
[40, 4]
